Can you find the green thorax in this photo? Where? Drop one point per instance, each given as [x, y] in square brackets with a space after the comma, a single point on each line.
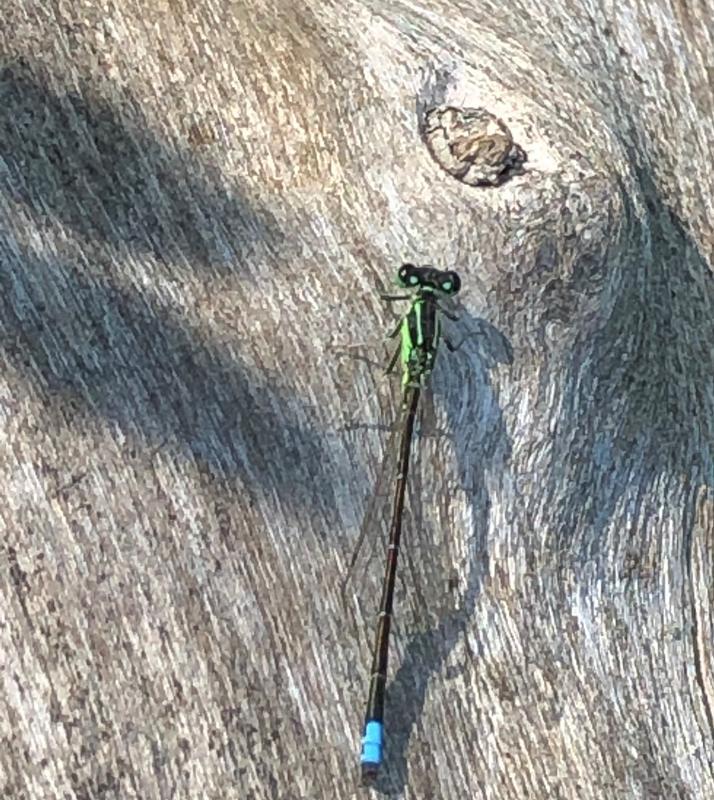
[420, 334]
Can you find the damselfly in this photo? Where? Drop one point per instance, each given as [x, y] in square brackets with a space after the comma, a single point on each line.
[420, 335]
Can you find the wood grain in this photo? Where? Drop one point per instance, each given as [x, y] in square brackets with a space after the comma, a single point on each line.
[198, 201]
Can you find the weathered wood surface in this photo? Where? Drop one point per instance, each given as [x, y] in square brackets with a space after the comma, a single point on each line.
[197, 200]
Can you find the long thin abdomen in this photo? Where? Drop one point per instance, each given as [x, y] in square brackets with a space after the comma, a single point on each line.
[373, 738]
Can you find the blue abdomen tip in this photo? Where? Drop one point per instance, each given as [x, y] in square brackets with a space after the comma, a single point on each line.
[372, 743]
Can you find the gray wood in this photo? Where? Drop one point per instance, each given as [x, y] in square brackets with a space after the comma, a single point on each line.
[198, 202]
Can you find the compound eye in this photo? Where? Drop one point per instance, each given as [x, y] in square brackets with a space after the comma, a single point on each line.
[450, 283]
[407, 275]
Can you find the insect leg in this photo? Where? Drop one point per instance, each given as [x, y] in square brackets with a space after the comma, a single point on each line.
[392, 297]
[393, 361]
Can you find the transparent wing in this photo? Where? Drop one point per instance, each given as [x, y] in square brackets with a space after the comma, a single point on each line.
[430, 555]
[424, 562]
[361, 585]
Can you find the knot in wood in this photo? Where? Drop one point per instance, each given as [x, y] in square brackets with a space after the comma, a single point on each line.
[473, 145]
